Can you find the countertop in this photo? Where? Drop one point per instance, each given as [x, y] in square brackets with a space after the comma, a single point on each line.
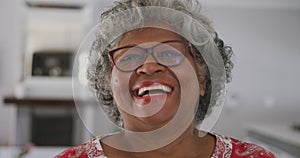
[36, 152]
[281, 132]
[283, 138]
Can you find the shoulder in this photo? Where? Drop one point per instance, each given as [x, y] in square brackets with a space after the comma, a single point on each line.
[84, 150]
[241, 149]
[245, 149]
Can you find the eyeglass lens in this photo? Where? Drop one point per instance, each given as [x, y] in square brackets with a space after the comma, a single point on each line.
[168, 54]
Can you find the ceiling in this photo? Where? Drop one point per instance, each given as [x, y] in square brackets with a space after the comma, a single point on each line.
[276, 4]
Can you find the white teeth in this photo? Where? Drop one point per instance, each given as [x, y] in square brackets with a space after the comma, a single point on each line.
[156, 87]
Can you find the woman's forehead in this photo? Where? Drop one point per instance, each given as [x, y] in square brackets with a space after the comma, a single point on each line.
[149, 34]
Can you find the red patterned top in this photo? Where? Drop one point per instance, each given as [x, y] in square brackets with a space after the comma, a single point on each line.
[225, 148]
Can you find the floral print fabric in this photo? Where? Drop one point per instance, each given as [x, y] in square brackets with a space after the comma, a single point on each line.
[225, 148]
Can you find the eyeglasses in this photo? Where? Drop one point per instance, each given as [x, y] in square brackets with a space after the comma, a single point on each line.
[167, 53]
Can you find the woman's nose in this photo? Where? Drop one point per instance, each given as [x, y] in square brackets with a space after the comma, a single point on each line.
[150, 67]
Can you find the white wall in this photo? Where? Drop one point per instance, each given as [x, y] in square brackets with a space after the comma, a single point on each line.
[266, 43]
[10, 61]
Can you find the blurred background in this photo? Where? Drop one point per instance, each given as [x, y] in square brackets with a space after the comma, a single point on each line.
[39, 40]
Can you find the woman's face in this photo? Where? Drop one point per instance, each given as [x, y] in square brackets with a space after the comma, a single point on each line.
[152, 80]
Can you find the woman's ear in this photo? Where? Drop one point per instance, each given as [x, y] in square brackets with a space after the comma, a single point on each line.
[202, 75]
[108, 77]
[202, 84]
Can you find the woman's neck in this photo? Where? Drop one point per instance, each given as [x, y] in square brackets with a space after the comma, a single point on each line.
[189, 145]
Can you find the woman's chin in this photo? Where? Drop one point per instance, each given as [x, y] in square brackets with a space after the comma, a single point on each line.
[156, 121]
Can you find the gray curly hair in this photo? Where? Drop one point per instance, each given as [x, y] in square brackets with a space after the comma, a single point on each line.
[99, 68]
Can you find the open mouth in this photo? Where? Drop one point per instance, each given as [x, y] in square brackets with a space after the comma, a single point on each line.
[152, 90]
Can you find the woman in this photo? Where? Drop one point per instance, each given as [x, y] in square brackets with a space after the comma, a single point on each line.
[159, 69]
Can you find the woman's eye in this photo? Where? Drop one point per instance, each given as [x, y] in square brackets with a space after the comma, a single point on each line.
[130, 58]
[169, 53]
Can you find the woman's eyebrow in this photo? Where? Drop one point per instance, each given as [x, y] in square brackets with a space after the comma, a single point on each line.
[158, 42]
[126, 46]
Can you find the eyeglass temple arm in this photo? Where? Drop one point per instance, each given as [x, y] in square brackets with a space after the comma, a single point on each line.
[112, 64]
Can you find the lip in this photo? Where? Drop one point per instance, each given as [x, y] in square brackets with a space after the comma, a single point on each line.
[147, 84]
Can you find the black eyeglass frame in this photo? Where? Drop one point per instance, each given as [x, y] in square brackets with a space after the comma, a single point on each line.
[147, 51]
